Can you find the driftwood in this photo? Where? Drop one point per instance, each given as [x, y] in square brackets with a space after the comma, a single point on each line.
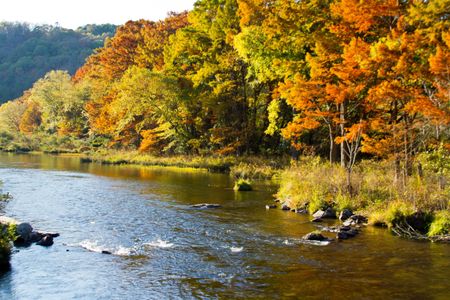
[405, 230]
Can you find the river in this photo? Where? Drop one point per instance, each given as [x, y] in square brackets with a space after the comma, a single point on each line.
[162, 248]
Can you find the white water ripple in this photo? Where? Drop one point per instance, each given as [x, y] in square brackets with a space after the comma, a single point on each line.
[159, 244]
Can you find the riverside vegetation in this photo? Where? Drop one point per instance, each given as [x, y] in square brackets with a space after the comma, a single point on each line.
[234, 85]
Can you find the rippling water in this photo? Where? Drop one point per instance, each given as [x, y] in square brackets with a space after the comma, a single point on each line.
[164, 249]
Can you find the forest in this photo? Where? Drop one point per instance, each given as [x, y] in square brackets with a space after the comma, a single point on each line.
[343, 80]
[27, 52]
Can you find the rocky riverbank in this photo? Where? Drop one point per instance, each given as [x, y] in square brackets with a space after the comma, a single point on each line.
[19, 234]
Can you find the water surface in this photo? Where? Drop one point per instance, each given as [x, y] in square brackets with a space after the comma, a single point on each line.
[164, 249]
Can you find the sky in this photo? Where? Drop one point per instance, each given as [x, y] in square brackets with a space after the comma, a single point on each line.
[74, 13]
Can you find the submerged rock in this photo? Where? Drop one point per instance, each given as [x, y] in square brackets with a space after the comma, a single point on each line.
[271, 206]
[206, 205]
[313, 236]
[316, 220]
[106, 252]
[301, 211]
[345, 214]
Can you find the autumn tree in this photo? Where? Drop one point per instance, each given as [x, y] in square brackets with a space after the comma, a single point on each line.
[61, 105]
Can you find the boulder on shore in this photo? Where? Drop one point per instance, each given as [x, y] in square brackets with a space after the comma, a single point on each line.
[329, 213]
[345, 214]
[355, 220]
[285, 206]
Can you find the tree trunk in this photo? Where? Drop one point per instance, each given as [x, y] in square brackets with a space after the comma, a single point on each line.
[331, 143]
[342, 120]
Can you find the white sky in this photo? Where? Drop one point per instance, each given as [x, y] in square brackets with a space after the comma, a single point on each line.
[74, 13]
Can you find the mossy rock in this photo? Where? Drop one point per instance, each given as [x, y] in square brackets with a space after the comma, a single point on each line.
[242, 185]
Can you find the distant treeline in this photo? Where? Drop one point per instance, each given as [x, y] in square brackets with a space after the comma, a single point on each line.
[27, 52]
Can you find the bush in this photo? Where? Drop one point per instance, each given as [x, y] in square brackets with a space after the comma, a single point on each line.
[7, 236]
[397, 212]
[440, 224]
[242, 185]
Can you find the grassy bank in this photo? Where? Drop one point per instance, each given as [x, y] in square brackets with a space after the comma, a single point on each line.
[247, 167]
[314, 184]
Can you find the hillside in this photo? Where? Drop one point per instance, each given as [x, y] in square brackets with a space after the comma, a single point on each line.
[28, 52]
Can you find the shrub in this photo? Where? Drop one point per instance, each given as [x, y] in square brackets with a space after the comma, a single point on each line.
[440, 224]
[7, 236]
[397, 212]
[242, 185]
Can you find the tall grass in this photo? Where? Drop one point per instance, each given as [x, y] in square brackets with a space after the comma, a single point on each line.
[315, 184]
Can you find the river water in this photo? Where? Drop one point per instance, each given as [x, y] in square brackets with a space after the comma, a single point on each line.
[162, 248]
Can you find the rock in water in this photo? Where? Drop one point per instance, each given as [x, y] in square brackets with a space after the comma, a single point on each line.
[35, 237]
[345, 214]
[206, 205]
[285, 206]
[355, 220]
[271, 206]
[46, 241]
[329, 213]
[346, 233]
[24, 230]
[315, 237]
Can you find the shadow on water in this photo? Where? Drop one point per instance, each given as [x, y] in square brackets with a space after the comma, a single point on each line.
[161, 247]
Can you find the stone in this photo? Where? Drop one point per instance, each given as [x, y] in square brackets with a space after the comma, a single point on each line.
[342, 235]
[329, 213]
[345, 228]
[35, 237]
[284, 206]
[355, 220]
[345, 214]
[24, 230]
[46, 241]
[106, 252]
[316, 220]
[206, 205]
[352, 232]
[346, 232]
[315, 237]
[301, 211]
[271, 206]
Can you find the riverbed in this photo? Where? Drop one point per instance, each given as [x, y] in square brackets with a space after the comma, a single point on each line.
[162, 248]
